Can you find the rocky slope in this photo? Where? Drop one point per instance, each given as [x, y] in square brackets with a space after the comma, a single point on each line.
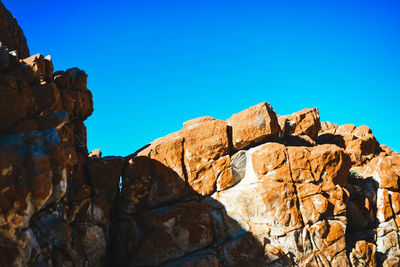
[257, 189]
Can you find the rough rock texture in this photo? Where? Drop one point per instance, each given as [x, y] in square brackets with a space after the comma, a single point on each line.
[11, 34]
[257, 189]
[55, 202]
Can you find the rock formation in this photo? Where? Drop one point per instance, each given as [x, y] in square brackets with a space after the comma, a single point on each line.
[258, 189]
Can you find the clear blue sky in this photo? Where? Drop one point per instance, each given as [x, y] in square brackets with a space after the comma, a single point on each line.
[154, 64]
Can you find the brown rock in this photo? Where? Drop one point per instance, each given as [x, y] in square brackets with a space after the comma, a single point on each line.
[205, 144]
[73, 79]
[362, 131]
[328, 127]
[78, 104]
[364, 254]
[242, 250]
[384, 170]
[358, 142]
[47, 99]
[391, 262]
[41, 66]
[11, 34]
[269, 157]
[313, 207]
[170, 233]
[33, 173]
[105, 175]
[148, 183]
[345, 129]
[384, 210]
[330, 164]
[95, 246]
[225, 179]
[304, 122]
[168, 151]
[12, 108]
[253, 126]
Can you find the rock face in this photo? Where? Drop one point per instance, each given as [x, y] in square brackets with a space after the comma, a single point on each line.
[257, 189]
[11, 34]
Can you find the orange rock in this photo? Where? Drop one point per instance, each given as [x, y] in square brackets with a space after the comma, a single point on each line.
[330, 164]
[168, 151]
[384, 210]
[363, 254]
[395, 200]
[254, 125]
[202, 145]
[362, 131]
[148, 183]
[328, 127]
[225, 179]
[358, 142]
[385, 170]
[205, 144]
[271, 157]
[300, 165]
[313, 207]
[345, 129]
[303, 122]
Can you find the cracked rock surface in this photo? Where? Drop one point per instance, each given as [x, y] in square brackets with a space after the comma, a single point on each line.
[257, 189]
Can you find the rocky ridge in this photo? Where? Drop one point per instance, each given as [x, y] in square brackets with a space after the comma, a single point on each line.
[257, 189]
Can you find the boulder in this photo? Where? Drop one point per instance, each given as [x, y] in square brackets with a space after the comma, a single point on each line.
[364, 254]
[253, 126]
[304, 122]
[11, 34]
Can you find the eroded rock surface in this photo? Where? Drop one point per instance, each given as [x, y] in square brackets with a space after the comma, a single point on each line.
[258, 189]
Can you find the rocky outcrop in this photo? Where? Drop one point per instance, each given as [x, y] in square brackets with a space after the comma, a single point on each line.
[11, 34]
[257, 189]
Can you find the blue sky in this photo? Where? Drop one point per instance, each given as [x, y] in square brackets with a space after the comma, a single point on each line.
[154, 64]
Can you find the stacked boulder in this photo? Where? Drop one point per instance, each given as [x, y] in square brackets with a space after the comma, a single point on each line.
[54, 206]
[257, 189]
[261, 189]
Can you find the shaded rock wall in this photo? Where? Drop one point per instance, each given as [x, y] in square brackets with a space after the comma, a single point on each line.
[257, 189]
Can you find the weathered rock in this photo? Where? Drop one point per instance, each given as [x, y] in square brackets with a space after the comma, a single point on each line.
[358, 142]
[167, 234]
[364, 254]
[214, 193]
[304, 122]
[205, 145]
[95, 246]
[41, 66]
[105, 174]
[11, 34]
[253, 126]
[285, 191]
[242, 250]
[147, 183]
